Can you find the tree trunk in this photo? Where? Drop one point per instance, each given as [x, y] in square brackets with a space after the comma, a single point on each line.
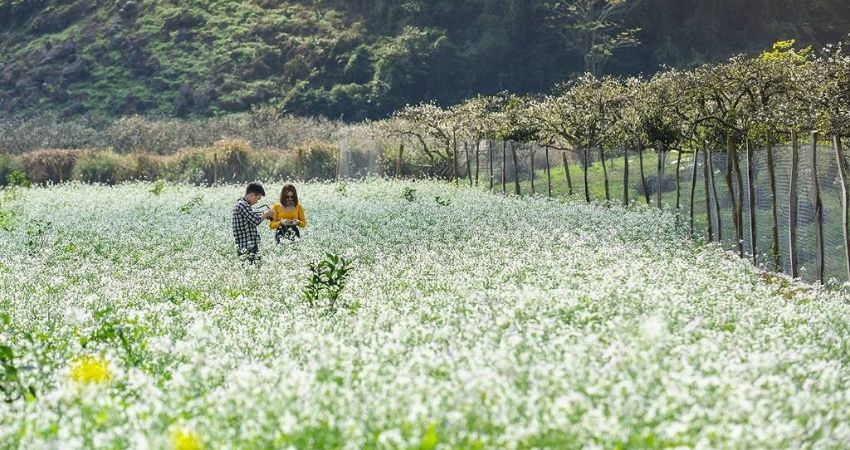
[845, 199]
[819, 244]
[730, 186]
[516, 168]
[468, 162]
[455, 168]
[774, 219]
[678, 179]
[706, 182]
[604, 173]
[399, 161]
[338, 163]
[659, 176]
[693, 189]
[751, 194]
[567, 173]
[477, 160]
[490, 155]
[739, 211]
[548, 174]
[719, 229]
[642, 175]
[626, 176]
[300, 155]
[504, 166]
[792, 206]
[531, 159]
[586, 187]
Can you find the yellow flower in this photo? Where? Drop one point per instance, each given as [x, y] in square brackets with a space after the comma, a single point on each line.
[90, 369]
[185, 439]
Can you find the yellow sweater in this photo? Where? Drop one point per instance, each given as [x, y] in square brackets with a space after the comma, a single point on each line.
[281, 214]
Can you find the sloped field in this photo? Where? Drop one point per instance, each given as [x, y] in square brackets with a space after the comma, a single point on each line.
[469, 321]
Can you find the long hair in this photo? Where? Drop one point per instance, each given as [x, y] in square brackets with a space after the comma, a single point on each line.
[288, 188]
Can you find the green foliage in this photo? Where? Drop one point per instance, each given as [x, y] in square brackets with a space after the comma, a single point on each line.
[785, 52]
[342, 189]
[409, 194]
[12, 386]
[442, 201]
[18, 178]
[157, 188]
[327, 280]
[358, 59]
[191, 205]
[319, 160]
[8, 165]
[123, 333]
[36, 232]
[103, 167]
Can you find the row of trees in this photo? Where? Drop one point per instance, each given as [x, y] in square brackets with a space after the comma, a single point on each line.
[744, 103]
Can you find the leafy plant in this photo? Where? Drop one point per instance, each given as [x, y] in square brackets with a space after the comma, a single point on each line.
[327, 280]
[191, 205]
[18, 178]
[158, 187]
[442, 201]
[342, 189]
[115, 329]
[409, 194]
[36, 231]
[11, 386]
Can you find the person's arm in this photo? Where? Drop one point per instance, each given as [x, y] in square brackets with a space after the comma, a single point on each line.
[274, 222]
[250, 215]
[302, 219]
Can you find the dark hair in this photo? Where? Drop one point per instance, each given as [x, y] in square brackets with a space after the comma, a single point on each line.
[255, 188]
[289, 188]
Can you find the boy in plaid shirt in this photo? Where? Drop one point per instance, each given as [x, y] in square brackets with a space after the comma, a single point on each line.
[246, 220]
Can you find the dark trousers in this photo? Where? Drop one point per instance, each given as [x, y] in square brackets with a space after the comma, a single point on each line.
[250, 254]
[287, 232]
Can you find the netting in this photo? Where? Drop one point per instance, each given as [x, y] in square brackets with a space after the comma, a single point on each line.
[522, 167]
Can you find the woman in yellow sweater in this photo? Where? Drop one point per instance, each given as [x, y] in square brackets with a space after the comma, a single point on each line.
[288, 215]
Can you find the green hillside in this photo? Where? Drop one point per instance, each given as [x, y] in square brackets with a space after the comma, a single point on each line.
[349, 59]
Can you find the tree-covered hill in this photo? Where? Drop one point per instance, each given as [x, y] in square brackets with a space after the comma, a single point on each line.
[348, 58]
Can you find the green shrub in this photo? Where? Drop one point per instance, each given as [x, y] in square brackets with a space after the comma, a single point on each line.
[8, 165]
[274, 165]
[19, 179]
[190, 165]
[319, 160]
[327, 280]
[104, 166]
[52, 165]
[232, 158]
[227, 160]
[148, 166]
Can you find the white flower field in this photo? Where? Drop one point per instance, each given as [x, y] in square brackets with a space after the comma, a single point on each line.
[469, 321]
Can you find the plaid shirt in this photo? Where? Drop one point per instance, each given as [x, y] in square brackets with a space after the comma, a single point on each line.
[245, 222]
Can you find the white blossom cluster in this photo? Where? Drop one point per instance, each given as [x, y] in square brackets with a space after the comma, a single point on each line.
[480, 322]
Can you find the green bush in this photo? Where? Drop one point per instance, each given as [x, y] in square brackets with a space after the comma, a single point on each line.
[190, 165]
[233, 160]
[104, 166]
[319, 160]
[274, 165]
[8, 165]
[148, 166]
